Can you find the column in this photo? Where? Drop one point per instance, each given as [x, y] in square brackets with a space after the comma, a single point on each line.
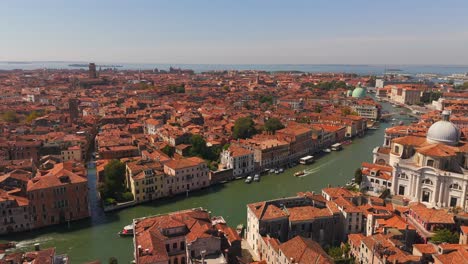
[418, 187]
[463, 198]
[435, 198]
[441, 193]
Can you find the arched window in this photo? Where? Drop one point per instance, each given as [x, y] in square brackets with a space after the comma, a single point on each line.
[427, 181]
[455, 186]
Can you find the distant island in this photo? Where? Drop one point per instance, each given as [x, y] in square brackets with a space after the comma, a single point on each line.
[86, 65]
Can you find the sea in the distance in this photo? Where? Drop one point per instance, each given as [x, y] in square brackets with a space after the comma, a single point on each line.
[362, 69]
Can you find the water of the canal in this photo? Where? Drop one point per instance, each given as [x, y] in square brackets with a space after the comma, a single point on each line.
[96, 238]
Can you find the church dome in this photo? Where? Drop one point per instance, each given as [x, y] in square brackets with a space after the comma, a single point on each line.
[359, 92]
[443, 132]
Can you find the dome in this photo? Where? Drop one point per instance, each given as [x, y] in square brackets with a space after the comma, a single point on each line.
[359, 92]
[349, 93]
[443, 132]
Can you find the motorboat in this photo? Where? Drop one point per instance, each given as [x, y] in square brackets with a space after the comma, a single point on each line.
[126, 231]
[327, 150]
[249, 179]
[281, 170]
[299, 173]
[256, 178]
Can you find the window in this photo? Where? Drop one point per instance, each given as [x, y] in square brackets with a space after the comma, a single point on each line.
[430, 163]
[397, 149]
[426, 195]
[427, 181]
[401, 190]
[453, 201]
[455, 186]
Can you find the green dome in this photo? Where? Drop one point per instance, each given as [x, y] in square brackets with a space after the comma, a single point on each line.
[359, 92]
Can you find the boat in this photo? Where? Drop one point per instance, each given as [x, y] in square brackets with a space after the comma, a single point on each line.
[126, 231]
[249, 179]
[401, 123]
[256, 178]
[347, 142]
[281, 170]
[276, 171]
[336, 147]
[306, 160]
[299, 173]
[327, 150]
[402, 113]
[239, 229]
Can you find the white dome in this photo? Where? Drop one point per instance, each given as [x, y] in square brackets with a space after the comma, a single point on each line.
[443, 132]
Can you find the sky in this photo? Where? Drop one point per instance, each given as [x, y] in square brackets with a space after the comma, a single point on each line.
[236, 31]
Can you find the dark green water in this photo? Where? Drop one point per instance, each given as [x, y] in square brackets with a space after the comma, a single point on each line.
[96, 238]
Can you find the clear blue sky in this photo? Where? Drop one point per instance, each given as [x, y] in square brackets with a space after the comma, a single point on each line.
[236, 31]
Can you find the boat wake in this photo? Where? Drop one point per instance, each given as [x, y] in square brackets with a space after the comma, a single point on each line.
[316, 169]
[31, 242]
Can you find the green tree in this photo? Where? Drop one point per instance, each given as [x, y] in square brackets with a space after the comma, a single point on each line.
[358, 176]
[266, 99]
[273, 124]
[10, 116]
[335, 252]
[244, 127]
[168, 150]
[114, 180]
[445, 236]
[199, 147]
[318, 109]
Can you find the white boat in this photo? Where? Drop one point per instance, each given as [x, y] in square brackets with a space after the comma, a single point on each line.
[336, 147]
[126, 231]
[306, 160]
[276, 171]
[281, 170]
[249, 179]
[256, 178]
[327, 150]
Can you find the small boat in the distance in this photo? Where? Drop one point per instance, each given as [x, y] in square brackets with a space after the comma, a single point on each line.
[126, 231]
[281, 170]
[299, 173]
[327, 150]
[249, 179]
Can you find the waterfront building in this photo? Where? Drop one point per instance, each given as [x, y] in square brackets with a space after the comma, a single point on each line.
[14, 215]
[145, 179]
[408, 95]
[268, 152]
[186, 174]
[38, 256]
[367, 109]
[431, 169]
[300, 141]
[189, 236]
[283, 219]
[239, 159]
[57, 196]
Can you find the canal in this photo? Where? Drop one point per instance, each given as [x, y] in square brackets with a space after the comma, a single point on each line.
[96, 238]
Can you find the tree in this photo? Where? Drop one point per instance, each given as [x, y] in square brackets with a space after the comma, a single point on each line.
[199, 147]
[33, 115]
[168, 150]
[273, 124]
[266, 99]
[318, 109]
[244, 127]
[358, 176]
[445, 236]
[114, 180]
[10, 116]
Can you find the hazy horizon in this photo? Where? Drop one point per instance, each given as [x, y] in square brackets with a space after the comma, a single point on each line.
[361, 32]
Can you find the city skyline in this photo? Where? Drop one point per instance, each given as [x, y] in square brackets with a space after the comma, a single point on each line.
[273, 32]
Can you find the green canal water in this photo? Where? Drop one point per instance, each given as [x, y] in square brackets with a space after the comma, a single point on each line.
[96, 238]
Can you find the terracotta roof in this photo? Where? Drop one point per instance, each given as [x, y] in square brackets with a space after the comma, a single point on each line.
[304, 251]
